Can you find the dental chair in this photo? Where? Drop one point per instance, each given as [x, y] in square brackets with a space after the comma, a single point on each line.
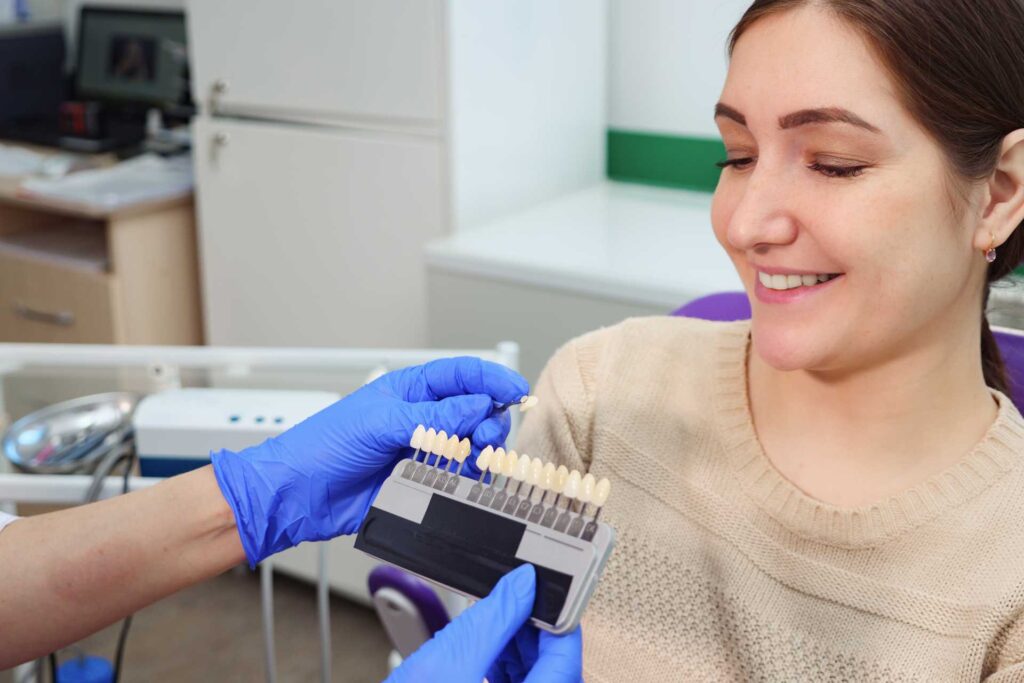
[729, 306]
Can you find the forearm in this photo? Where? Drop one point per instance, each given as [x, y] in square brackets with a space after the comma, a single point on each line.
[70, 573]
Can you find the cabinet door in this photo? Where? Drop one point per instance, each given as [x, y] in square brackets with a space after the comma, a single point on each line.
[319, 58]
[309, 237]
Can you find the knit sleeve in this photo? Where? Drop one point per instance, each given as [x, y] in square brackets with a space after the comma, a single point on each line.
[559, 428]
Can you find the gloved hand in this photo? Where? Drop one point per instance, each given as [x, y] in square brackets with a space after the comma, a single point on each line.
[492, 638]
[317, 480]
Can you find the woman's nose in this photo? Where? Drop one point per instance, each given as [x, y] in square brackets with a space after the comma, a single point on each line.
[764, 214]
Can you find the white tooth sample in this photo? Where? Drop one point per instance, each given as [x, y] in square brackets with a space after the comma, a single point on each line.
[440, 443]
[530, 402]
[452, 449]
[417, 437]
[793, 281]
[778, 282]
[536, 472]
[428, 441]
[587, 488]
[522, 468]
[561, 476]
[548, 477]
[465, 448]
[809, 280]
[497, 460]
[572, 485]
[508, 468]
[765, 278]
[601, 492]
[483, 461]
[524, 399]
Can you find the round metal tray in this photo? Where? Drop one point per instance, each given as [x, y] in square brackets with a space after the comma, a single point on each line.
[71, 436]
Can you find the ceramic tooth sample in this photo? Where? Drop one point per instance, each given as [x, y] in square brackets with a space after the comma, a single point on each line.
[600, 497]
[428, 447]
[528, 402]
[519, 472]
[508, 469]
[439, 449]
[416, 442]
[547, 480]
[483, 463]
[495, 468]
[532, 479]
[451, 449]
[571, 490]
[461, 453]
[585, 493]
[558, 485]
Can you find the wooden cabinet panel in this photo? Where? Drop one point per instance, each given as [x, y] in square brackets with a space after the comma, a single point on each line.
[43, 302]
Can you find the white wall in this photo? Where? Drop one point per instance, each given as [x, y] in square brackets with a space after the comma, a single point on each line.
[668, 63]
[528, 97]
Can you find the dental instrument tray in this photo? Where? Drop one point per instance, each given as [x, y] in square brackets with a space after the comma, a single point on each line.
[465, 534]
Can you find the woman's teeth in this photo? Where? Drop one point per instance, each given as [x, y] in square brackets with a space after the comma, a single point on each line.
[792, 281]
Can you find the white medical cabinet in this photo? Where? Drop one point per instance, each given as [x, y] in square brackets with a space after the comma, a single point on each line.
[337, 137]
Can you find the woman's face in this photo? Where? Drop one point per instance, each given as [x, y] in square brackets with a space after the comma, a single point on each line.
[805, 103]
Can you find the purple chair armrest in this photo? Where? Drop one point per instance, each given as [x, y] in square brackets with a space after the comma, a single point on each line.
[435, 616]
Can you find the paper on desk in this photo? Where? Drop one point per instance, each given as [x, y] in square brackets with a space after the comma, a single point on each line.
[18, 161]
[142, 179]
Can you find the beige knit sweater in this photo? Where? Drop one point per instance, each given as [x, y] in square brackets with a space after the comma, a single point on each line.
[725, 571]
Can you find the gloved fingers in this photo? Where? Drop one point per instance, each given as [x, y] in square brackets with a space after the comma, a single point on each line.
[448, 377]
[559, 658]
[481, 632]
[493, 431]
[457, 416]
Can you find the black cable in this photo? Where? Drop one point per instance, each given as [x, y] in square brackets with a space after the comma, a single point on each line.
[53, 667]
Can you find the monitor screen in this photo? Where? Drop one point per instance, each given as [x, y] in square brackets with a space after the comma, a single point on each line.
[128, 55]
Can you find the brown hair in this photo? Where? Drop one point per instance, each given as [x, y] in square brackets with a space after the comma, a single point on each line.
[958, 66]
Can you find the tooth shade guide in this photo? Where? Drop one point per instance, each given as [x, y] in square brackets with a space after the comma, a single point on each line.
[587, 486]
[508, 466]
[527, 403]
[522, 469]
[428, 442]
[572, 485]
[601, 491]
[465, 448]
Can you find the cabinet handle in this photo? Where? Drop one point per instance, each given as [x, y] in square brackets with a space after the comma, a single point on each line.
[59, 318]
[217, 90]
[220, 139]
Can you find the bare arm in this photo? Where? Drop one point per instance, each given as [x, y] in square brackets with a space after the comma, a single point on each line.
[67, 574]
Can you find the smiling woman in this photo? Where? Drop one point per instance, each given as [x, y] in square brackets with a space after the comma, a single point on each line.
[832, 490]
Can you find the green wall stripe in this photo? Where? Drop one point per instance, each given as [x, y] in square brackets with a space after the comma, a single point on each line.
[665, 160]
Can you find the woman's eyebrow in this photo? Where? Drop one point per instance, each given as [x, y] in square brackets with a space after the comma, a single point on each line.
[802, 117]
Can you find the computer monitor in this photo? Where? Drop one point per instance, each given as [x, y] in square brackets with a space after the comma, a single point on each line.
[132, 56]
[31, 75]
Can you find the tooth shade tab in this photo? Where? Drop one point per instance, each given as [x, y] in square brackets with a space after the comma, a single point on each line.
[561, 476]
[465, 448]
[522, 468]
[547, 479]
[587, 488]
[572, 485]
[527, 403]
[601, 492]
[508, 467]
[783, 282]
[428, 440]
[453, 448]
[536, 471]
[440, 443]
[497, 460]
[417, 437]
[483, 461]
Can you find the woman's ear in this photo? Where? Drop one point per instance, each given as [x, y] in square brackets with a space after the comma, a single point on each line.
[1003, 210]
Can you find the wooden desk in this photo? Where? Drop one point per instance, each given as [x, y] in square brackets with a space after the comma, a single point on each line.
[149, 294]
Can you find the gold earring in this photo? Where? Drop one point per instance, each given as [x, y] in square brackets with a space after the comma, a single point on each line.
[990, 254]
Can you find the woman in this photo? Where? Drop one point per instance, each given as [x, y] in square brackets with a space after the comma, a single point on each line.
[832, 490]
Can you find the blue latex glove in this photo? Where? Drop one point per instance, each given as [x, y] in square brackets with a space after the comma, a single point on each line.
[492, 638]
[317, 480]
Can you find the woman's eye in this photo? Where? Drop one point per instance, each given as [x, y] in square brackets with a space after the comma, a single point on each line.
[738, 163]
[837, 171]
